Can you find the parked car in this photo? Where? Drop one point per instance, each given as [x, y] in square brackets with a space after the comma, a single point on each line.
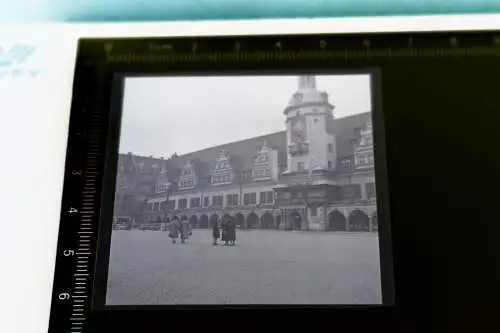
[122, 223]
[156, 226]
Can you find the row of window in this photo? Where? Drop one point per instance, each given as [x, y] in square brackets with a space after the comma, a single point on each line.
[221, 179]
[301, 166]
[222, 165]
[261, 159]
[161, 188]
[349, 191]
[365, 160]
[217, 200]
[186, 183]
[261, 173]
[354, 191]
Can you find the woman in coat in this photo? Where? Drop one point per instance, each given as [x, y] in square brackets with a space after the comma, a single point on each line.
[215, 233]
[225, 238]
[231, 232]
[173, 229]
[185, 229]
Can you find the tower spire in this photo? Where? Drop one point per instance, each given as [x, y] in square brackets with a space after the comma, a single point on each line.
[307, 82]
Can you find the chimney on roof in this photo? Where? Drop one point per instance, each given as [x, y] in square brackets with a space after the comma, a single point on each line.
[129, 154]
[161, 158]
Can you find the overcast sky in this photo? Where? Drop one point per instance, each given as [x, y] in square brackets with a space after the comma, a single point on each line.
[163, 115]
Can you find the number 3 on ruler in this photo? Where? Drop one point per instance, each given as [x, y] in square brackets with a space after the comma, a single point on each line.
[72, 210]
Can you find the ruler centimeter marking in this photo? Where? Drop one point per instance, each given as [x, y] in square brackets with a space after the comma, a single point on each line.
[85, 233]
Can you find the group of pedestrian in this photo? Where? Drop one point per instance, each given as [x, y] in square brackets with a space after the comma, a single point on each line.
[182, 229]
[226, 229]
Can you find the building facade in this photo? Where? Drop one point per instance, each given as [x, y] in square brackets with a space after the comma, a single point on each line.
[317, 174]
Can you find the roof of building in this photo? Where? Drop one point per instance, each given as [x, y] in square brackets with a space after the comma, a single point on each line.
[241, 153]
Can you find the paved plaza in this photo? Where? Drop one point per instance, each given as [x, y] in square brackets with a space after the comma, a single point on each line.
[265, 267]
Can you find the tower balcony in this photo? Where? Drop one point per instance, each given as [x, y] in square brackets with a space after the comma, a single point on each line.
[298, 148]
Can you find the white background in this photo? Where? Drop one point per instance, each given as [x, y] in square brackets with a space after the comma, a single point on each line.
[34, 115]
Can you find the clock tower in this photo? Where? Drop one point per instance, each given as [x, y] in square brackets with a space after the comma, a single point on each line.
[310, 140]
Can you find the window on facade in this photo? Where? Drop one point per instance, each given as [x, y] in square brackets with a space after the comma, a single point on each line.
[206, 201]
[171, 204]
[250, 198]
[194, 202]
[370, 160]
[266, 197]
[246, 175]
[347, 163]
[362, 160]
[262, 197]
[351, 191]
[330, 165]
[182, 203]
[370, 190]
[217, 200]
[300, 166]
[270, 197]
[348, 191]
[330, 148]
[314, 211]
[253, 198]
[369, 140]
[232, 199]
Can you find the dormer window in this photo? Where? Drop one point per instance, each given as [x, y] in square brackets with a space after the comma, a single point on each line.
[188, 179]
[222, 170]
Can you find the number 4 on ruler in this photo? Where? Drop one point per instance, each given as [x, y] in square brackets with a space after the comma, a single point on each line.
[72, 210]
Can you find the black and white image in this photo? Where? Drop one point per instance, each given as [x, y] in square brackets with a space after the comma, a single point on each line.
[245, 190]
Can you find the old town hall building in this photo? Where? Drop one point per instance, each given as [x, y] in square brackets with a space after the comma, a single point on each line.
[318, 174]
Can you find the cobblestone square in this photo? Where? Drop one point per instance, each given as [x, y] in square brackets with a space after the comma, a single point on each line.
[265, 267]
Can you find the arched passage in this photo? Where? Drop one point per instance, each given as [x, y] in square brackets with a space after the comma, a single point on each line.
[359, 221]
[267, 221]
[213, 219]
[193, 220]
[375, 222]
[240, 220]
[336, 221]
[252, 221]
[294, 221]
[203, 221]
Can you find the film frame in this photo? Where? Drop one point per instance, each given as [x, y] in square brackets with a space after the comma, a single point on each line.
[99, 61]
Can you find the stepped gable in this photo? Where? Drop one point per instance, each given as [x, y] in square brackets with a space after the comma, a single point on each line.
[345, 132]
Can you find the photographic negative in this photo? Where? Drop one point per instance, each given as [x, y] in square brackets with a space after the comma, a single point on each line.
[246, 190]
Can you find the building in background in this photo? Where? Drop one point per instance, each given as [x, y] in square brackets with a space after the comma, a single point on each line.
[317, 174]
